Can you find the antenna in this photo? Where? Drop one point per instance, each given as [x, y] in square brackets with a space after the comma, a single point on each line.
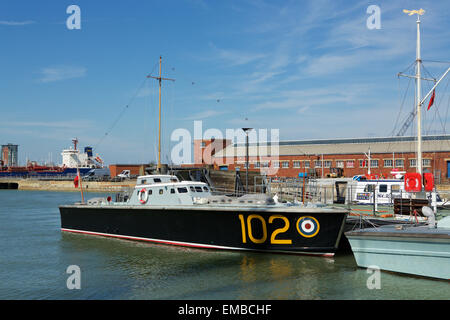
[160, 78]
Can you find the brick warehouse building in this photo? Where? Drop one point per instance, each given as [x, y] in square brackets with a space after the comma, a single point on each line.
[322, 155]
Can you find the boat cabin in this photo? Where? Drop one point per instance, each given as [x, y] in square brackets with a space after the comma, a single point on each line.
[385, 191]
[168, 190]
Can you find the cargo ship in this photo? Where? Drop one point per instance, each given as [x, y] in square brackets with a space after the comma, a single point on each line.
[72, 160]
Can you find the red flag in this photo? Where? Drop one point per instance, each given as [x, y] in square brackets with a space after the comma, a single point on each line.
[75, 181]
[431, 101]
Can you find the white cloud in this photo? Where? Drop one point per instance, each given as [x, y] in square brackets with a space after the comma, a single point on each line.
[52, 74]
[15, 23]
[205, 114]
[49, 124]
[237, 57]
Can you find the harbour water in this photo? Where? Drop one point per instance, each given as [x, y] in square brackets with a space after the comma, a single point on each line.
[35, 255]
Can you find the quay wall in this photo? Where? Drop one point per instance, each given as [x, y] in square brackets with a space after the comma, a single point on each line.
[55, 185]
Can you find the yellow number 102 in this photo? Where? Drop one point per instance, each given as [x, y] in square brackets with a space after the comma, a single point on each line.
[263, 239]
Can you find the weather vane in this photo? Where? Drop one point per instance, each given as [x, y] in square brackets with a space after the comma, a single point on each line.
[411, 12]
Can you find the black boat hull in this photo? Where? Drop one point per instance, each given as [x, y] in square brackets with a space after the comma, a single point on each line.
[288, 231]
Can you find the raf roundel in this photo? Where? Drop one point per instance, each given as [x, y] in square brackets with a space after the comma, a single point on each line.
[308, 227]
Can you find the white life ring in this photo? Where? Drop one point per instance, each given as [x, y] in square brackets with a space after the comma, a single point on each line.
[143, 196]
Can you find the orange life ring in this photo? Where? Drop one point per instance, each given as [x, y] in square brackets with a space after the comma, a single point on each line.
[143, 196]
[413, 182]
[428, 181]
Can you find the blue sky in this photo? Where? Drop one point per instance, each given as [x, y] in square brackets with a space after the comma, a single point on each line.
[311, 69]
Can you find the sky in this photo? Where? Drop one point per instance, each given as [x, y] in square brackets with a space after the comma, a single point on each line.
[311, 69]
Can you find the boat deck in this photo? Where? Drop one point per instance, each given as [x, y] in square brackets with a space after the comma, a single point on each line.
[402, 231]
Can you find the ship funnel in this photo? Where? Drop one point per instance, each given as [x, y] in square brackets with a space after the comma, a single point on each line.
[428, 212]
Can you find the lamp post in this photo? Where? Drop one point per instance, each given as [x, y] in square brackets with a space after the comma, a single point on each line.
[246, 130]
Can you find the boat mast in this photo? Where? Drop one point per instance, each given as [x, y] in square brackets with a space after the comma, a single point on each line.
[418, 104]
[159, 132]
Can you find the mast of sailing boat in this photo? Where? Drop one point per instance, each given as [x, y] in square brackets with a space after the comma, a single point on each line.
[419, 100]
[159, 132]
[418, 104]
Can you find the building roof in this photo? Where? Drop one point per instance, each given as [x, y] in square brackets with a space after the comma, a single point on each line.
[430, 143]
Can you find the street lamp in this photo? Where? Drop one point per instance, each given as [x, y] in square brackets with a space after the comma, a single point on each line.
[246, 130]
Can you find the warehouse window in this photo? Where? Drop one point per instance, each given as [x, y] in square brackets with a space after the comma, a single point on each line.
[317, 163]
[399, 163]
[350, 163]
[296, 164]
[362, 163]
[307, 164]
[374, 163]
[426, 162]
[387, 163]
[285, 164]
[412, 163]
[339, 163]
[276, 164]
[327, 164]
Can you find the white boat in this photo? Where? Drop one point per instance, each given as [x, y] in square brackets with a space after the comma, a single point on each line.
[384, 191]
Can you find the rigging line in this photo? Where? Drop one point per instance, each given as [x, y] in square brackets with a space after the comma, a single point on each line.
[121, 114]
[401, 105]
[413, 63]
[437, 109]
[437, 61]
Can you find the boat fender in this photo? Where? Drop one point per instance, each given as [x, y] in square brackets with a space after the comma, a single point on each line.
[143, 196]
[429, 213]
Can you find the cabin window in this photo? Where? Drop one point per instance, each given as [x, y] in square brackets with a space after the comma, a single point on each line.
[205, 189]
[143, 181]
[156, 179]
[172, 190]
[161, 191]
[150, 192]
[198, 189]
[395, 188]
[192, 188]
[369, 188]
[383, 187]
